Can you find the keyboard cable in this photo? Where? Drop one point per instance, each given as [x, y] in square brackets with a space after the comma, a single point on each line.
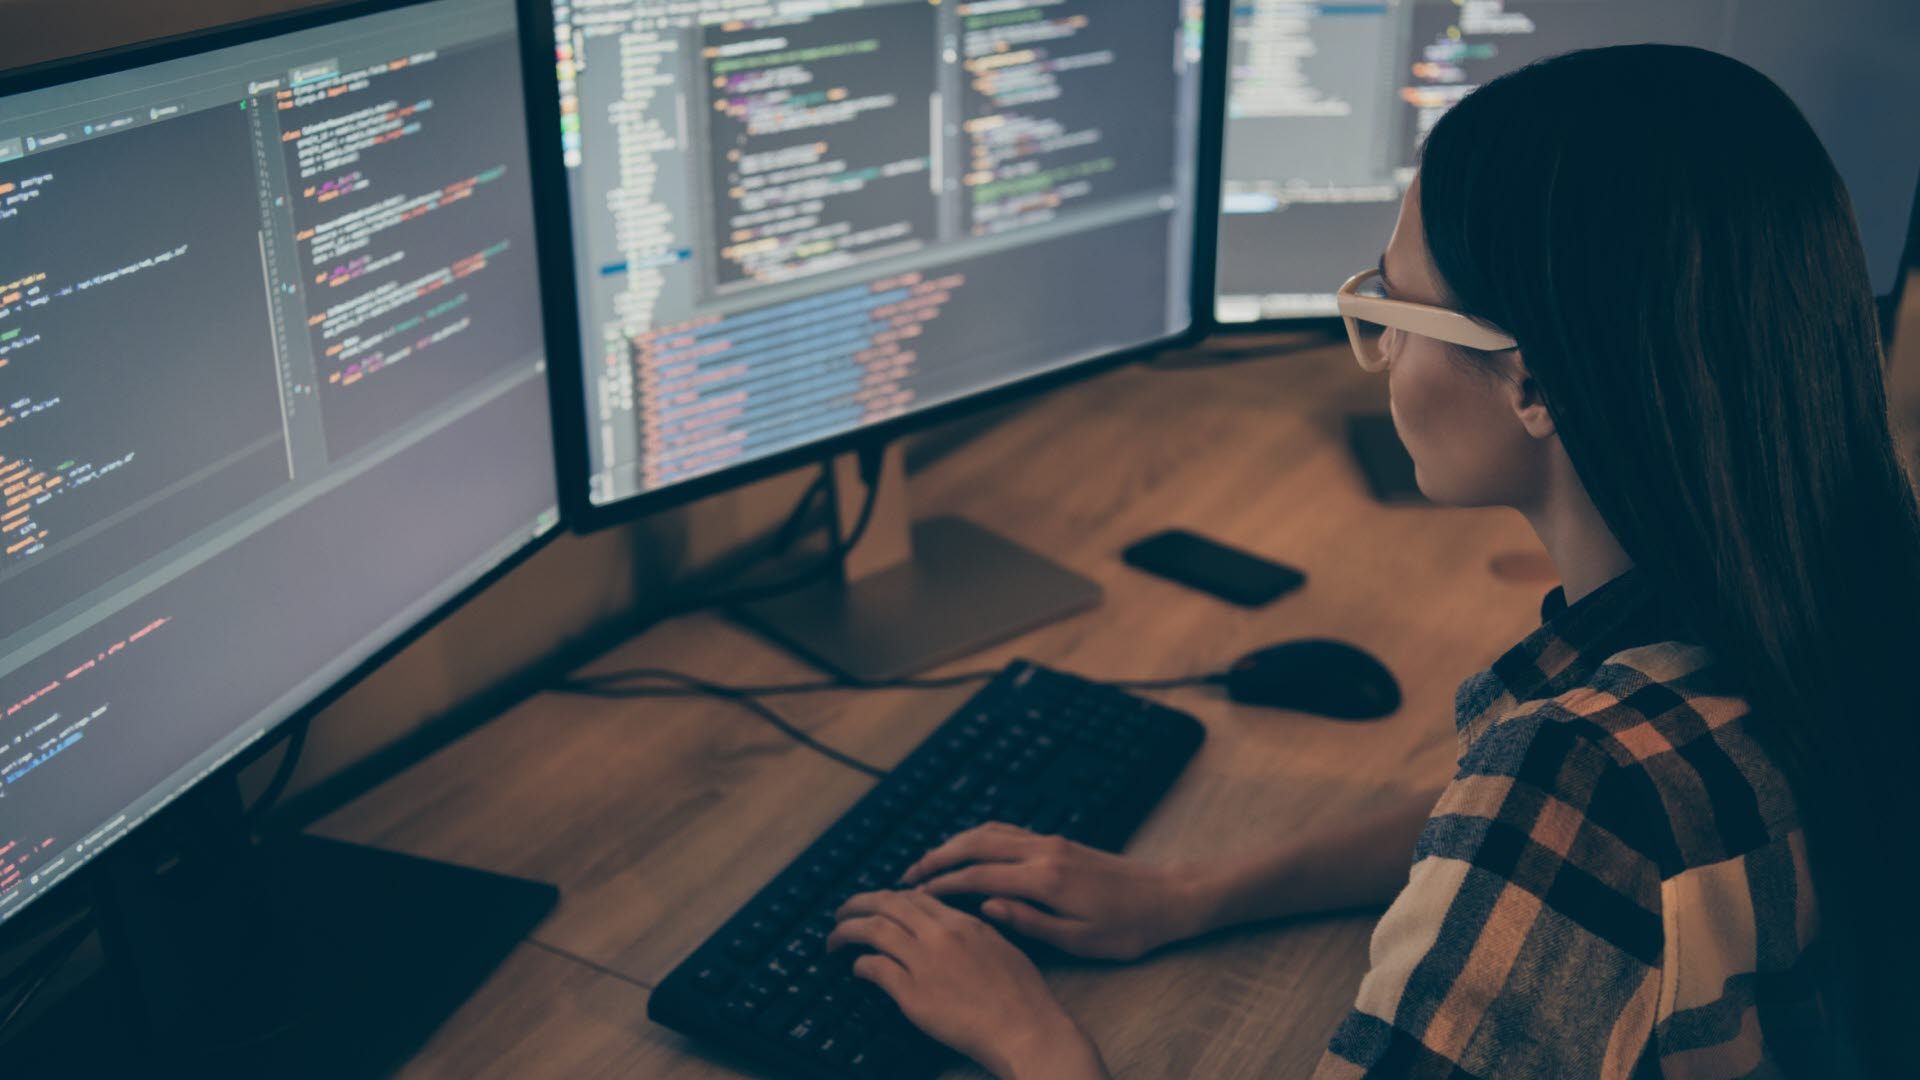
[608, 686]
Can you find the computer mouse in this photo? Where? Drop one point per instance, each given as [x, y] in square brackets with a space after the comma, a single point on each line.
[1330, 678]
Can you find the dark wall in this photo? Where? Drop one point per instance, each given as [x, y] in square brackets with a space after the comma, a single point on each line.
[36, 30]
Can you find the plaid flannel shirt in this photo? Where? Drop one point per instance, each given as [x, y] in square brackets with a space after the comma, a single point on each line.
[1614, 884]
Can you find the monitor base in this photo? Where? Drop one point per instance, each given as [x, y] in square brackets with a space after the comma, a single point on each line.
[302, 957]
[962, 589]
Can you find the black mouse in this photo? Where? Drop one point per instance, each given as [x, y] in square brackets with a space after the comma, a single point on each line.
[1330, 678]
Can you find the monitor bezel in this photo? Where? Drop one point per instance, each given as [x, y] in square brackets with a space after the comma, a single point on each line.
[127, 57]
[567, 360]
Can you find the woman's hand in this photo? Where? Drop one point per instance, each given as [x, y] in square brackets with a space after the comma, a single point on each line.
[1099, 905]
[962, 983]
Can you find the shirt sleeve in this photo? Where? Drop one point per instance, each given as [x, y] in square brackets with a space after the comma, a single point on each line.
[1528, 940]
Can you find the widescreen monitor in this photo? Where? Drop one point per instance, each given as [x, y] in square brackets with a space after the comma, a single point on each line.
[1329, 102]
[796, 225]
[272, 392]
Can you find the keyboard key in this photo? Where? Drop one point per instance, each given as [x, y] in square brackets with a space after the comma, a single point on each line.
[805, 1031]
[832, 1002]
[713, 978]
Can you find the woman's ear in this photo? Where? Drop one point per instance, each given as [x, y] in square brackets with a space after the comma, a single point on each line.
[1523, 394]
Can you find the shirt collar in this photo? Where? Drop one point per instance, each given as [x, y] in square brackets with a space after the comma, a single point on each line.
[1572, 642]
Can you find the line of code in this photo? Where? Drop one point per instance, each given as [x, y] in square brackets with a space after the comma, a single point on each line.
[821, 142]
[45, 734]
[1044, 130]
[401, 208]
[123, 315]
[721, 388]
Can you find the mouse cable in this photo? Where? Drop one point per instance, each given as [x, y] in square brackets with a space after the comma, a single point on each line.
[692, 686]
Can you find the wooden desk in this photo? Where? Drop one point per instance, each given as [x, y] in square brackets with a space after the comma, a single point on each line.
[658, 819]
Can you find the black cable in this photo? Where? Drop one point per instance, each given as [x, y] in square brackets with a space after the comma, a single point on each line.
[747, 702]
[605, 687]
[282, 774]
[569, 954]
[608, 680]
[789, 531]
[51, 959]
[784, 537]
[870, 461]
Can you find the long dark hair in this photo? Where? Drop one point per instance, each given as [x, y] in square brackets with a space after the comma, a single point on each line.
[1664, 235]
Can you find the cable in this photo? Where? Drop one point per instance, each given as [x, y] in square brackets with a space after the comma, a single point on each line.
[870, 461]
[789, 531]
[608, 680]
[51, 959]
[748, 702]
[569, 954]
[605, 687]
[783, 538]
[282, 774]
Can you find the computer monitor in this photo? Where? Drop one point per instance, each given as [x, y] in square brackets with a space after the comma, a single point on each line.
[800, 227]
[272, 393]
[1329, 103]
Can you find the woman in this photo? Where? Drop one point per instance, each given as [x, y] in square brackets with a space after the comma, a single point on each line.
[1628, 300]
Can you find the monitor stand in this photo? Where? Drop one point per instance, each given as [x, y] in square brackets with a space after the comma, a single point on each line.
[912, 596]
[300, 957]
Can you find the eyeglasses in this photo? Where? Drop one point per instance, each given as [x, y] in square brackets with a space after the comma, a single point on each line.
[1370, 314]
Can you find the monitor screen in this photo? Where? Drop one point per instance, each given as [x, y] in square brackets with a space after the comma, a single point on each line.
[272, 392]
[795, 221]
[1329, 103]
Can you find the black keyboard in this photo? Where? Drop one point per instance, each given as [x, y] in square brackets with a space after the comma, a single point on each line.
[1037, 748]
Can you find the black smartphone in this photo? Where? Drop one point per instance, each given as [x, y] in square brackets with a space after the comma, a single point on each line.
[1236, 576]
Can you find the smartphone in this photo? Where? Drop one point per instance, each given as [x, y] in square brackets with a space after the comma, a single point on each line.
[1238, 577]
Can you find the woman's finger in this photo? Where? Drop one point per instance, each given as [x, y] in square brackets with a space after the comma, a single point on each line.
[992, 842]
[1025, 880]
[884, 972]
[936, 911]
[1029, 921]
[883, 904]
[875, 932]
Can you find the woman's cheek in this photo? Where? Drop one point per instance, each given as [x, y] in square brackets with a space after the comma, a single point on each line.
[1434, 422]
